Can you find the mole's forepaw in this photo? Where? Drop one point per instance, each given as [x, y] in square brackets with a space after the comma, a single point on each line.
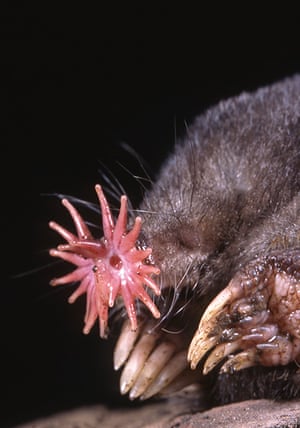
[255, 320]
[154, 362]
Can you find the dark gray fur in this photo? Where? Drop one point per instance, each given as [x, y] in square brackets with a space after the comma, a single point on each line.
[229, 193]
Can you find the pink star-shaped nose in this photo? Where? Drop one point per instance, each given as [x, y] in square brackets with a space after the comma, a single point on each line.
[108, 267]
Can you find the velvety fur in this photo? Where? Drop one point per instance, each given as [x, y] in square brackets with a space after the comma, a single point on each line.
[229, 193]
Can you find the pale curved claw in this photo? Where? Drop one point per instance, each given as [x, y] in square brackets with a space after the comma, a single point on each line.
[136, 361]
[152, 360]
[255, 320]
[125, 343]
[177, 364]
[209, 330]
[216, 356]
[185, 378]
[154, 364]
[240, 361]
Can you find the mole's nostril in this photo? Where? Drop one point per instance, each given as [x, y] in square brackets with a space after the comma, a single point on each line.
[116, 262]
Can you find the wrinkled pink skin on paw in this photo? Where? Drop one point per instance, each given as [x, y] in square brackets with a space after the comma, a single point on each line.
[108, 267]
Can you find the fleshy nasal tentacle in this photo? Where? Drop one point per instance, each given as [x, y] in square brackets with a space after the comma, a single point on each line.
[107, 267]
[107, 219]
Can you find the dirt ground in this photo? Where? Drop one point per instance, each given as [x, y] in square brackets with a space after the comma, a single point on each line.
[181, 411]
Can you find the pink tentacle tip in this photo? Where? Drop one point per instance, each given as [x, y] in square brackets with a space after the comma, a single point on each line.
[108, 267]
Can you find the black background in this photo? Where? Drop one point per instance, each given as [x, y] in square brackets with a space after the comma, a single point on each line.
[77, 81]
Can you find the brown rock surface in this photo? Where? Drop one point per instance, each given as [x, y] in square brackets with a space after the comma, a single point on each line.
[181, 411]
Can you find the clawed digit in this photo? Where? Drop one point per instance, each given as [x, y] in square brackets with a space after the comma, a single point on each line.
[153, 362]
[255, 320]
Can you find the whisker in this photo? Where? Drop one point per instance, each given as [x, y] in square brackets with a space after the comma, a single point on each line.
[111, 180]
[140, 180]
[140, 160]
[54, 291]
[114, 187]
[115, 190]
[166, 330]
[36, 270]
[140, 211]
[184, 275]
[76, 201]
